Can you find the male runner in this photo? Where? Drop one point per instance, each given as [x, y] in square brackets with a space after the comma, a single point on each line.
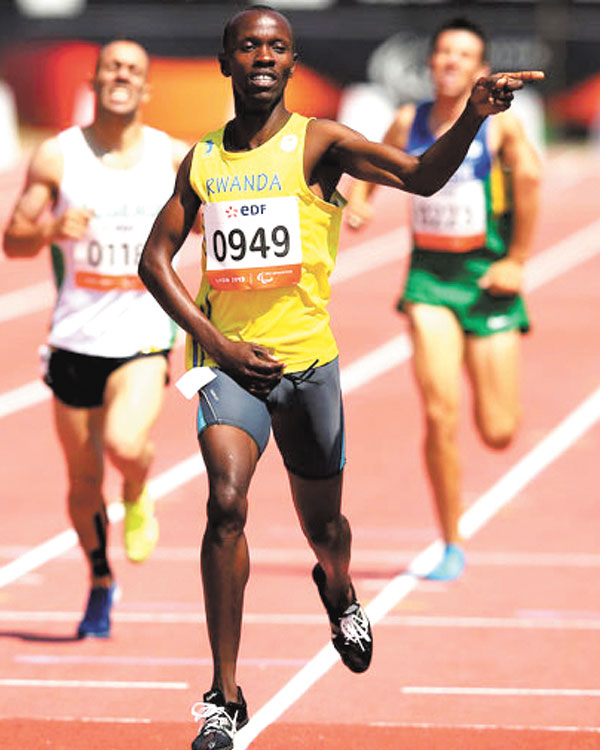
[266, 182]
[462, 291]
[109, 339]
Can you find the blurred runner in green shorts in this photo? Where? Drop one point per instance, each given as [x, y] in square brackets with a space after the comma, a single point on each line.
[462, 293]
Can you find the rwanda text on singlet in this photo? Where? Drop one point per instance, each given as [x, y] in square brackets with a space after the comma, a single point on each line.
[256, 182]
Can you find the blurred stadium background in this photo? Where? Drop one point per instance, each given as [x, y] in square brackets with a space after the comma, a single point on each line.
[359, 59]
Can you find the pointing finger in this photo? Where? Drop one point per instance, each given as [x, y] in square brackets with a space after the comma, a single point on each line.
[516, 79]
[526, 75]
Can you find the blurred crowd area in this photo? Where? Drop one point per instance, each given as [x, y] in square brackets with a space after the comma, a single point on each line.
[359, 59]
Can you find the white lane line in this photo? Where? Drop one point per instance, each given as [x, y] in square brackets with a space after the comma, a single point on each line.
[493, 623]
[397, 589]
[374, 253]
[379, 251]
[385, 558]
[37, 556]
[359, 372]
[561, 438]
[99, 719]
[545, 452]
[314, 619]
[29, 299]
[112, 684]
[484, 727]
[499, 691]
[30, 394]
[564, 255]
[382, 249]
[153, 661]
[547, 265]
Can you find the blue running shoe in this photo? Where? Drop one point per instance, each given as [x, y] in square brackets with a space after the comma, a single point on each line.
[96, 620]
[450, 566]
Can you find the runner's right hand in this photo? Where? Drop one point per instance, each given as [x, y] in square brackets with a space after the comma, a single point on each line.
[358, 213]
[73, 224]
[251, 366]
[493, 94]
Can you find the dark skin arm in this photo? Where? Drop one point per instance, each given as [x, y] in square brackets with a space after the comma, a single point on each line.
[330, 150]
[249, 364]
[333, 149]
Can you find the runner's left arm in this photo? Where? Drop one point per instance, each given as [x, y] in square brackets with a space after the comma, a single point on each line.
[386, 165]
[519, 157]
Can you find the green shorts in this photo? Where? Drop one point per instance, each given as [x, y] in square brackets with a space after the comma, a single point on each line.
[450, 280]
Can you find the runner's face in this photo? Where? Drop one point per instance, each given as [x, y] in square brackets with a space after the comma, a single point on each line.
[260, 56]
[456, 62]
[120, 80]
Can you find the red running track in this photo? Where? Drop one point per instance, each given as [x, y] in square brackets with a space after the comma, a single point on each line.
[506, 657]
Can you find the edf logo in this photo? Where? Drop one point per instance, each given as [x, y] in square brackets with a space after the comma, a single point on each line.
[231, 212]
[253, 210]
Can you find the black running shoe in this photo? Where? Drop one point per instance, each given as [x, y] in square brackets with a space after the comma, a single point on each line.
[221, 720]
[350, 629]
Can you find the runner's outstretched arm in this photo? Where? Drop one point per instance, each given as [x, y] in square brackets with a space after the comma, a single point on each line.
[386, 165]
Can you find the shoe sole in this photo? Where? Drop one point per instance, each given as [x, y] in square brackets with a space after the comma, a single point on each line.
[93, 634]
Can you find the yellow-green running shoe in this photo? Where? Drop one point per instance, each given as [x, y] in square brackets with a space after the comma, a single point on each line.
[140, 527]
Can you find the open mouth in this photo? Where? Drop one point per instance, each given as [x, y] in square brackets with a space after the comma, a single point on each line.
[449, 78]
[263, 79]
[119, 94]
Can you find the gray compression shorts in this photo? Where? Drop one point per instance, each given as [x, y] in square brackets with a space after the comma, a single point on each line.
[304, 409]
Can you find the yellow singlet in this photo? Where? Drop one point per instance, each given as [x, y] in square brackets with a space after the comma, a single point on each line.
[269, 248]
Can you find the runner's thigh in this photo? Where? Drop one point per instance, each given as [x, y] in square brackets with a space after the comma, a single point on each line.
[493, 367]
[308, 421]
[438, 342]
[133, 397]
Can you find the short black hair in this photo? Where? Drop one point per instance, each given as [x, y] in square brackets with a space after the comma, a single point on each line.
[120, 40]
[229, 24]
[461, 24]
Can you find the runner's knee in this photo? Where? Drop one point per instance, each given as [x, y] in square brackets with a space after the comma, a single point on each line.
[442, 419]
[226, 511]
[326, 533]
[127, 449]
[499, 432]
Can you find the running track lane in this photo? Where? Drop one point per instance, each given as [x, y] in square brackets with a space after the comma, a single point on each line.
[315, 708]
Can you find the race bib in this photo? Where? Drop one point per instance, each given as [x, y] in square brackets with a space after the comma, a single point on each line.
[109, 257]
[253, 244]
[452, 220]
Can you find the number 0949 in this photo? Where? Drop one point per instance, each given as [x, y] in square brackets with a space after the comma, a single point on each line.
[235, 245]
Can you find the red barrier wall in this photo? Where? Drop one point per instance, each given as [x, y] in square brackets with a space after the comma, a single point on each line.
[189, 96]
[580, 105]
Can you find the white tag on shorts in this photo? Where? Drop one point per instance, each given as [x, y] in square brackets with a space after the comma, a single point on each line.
[193, 380]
